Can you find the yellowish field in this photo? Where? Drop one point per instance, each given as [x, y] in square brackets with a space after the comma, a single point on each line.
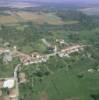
[8, 19]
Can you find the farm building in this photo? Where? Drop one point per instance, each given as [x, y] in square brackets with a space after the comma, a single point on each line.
[9, 83]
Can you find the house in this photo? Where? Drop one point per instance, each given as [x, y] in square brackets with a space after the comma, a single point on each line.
[61, 54]
[91, 70]
[9, 83]
[44, 58]
[60, 41]
[14, 48]
[35, 55]
[71, 49]
[11, 91]
[12, 94]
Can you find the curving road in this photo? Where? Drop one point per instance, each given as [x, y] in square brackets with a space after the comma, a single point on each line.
[16, 80]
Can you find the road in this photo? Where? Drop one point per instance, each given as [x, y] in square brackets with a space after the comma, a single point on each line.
[16, 80]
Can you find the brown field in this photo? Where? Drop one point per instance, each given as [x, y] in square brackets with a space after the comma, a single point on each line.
[8, 19]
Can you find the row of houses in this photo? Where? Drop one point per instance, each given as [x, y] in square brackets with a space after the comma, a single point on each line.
[71, 49]
[33, 59]
[37, 58]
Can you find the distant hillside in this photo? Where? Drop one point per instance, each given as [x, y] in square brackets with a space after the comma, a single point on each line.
[17, 3]
[91, 11]
[52, 3]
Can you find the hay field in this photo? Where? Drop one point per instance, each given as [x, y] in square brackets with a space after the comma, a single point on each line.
[8, 19]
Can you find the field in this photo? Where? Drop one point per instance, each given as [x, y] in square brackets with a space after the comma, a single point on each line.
[7, 19]
[41, 18]
[35, 17]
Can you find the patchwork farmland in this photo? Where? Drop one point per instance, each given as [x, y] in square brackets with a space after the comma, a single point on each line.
[35, 17]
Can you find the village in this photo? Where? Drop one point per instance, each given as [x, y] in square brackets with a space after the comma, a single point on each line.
[35, 57]
[10, 86]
